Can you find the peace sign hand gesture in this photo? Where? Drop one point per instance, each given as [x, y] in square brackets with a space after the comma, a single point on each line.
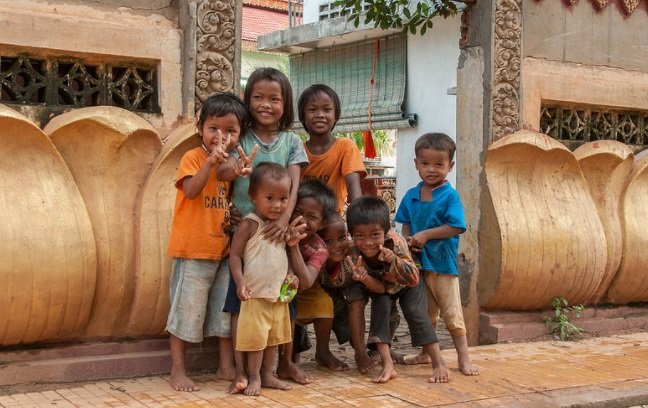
[216, 152]
[358, 271]
[243, 165]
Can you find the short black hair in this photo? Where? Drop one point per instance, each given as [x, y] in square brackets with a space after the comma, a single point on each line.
[368, 210]
[314, 91]
[222, 104]
[320, 192]
[436, 141]
[271, 170]
[273, 74]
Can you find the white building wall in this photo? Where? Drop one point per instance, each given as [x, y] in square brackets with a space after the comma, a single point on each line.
[311, 10]
[431, 70]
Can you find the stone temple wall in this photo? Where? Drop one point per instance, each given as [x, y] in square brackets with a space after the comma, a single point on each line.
[97, 107]
[552, 120]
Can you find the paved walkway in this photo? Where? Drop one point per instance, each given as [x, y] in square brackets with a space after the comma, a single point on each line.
[606, 371]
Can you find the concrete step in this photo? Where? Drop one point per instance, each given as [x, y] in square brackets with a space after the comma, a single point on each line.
[85, 362]
[505, 326]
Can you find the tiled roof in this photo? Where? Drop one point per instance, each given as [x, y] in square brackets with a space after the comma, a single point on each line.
[257, 22]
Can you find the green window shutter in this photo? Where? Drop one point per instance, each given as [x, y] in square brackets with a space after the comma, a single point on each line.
[347, 69]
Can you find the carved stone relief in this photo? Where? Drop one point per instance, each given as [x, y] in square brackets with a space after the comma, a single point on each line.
[215, 48]
[507, 57]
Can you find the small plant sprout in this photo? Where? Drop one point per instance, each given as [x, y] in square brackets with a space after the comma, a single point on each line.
[558, 322]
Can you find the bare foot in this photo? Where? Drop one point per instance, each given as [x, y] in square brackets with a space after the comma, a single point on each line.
[295, 374]
[239, 383]
[180, 382]
[441, 374]
[364, 362]
[254, 386]
[270, 381]
[467, 368]
[328, 360]
[386, 374]
[421, 358]
[224, 373]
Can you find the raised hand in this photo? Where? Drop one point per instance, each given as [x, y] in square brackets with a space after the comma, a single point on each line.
[386, 254]
[358, 271]
[295, 232]
[217, 151]
[243, 165]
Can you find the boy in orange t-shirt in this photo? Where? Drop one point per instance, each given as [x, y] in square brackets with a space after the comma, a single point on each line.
[199, 241]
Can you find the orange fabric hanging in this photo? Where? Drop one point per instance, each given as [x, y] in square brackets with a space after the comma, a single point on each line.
[370, 148]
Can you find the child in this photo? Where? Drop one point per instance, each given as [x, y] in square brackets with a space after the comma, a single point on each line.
[337, 279]
[260, 267]
[268, 97]
[316, 204]
[199, 241]
[336, 161]
[385, 256]
[432, 218]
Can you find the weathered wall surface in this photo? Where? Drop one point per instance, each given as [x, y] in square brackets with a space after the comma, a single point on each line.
[585, 35]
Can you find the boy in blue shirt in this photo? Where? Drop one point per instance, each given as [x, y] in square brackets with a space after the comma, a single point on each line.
[432, 217]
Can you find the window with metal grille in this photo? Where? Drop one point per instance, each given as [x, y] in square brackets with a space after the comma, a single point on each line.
[576, 125]
[68, 82]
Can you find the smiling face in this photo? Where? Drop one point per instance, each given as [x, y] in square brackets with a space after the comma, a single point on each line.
[266, 104]
[319, 115]
[433, 166]
[270, 198]
[312, 212]
[336, 239]
[367, 238]
[227, 124]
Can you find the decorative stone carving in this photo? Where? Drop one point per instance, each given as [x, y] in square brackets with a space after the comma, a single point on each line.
[506, 79]
[215, 48]
[601, 4]
[630, 5]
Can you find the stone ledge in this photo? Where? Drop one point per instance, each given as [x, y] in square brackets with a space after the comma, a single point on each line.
[99, 361]
[505, 326]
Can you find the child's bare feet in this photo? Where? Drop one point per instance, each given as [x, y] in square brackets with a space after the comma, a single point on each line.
[226, 373]
[254, 386]
[238, 384]
[421, 358]
[364, 362]
[441, 374]
[180, 382]
[387, 373]
[292, 372]
[467, 368]
[270, 381]
[328, 360]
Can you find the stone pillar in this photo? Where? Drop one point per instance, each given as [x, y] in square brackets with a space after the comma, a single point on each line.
[488, 107]
[211, 60]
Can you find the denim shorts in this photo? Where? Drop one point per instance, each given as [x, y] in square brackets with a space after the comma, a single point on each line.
[197, 295]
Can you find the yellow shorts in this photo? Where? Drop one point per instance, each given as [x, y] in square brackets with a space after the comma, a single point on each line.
[314, 303]
[261, 324]
[444, 300]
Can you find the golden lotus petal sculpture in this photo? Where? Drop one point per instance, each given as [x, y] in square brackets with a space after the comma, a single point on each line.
[541, 236]
[631, 282]
[606, 165]
[155, 217]
[49, 260]
[110, 152]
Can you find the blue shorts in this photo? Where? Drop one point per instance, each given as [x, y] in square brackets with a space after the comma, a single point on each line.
[197, 294]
